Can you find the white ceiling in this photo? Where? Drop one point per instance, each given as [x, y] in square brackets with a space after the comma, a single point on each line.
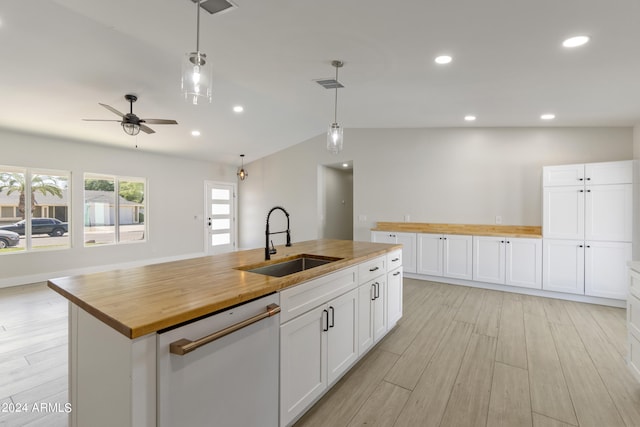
[61, 57]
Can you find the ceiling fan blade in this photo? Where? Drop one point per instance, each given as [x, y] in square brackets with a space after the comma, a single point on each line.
[102, 120]
[160, 121]
[113, 110]
[146, 129]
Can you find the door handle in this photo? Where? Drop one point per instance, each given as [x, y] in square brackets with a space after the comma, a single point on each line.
[377, 288]
[184, 346]
[373, 292]
[326, 313]
[333, 317]
[374, 269]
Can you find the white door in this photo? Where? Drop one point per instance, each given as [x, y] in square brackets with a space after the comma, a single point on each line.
[489, 259]
[366, 293]
[379, 312]
[606, 269]
[563, 266]
[458, 256]
[430, 254]
[608, 212]
[563, 216]
[342, 346]
[524, 263]
[221, 229]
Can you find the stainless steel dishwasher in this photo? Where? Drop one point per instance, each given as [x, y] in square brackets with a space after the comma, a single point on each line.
[221, 370]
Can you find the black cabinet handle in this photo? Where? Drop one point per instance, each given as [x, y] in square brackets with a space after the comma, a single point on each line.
[580, 179]
[588, 191]
[588, 179]
[588, 246]
[395, 260]
[508, 242]
[581, 191]
[326, 313]
[333, 316]
[374, 269]
[396, 273]
[373, 292]
[377, 285]
[501, 241]
[580, 246]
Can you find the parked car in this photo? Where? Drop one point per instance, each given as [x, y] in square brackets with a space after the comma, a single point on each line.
[51, 226]
[8, 239]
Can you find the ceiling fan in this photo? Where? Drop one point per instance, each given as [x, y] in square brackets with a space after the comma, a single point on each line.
[132, 124]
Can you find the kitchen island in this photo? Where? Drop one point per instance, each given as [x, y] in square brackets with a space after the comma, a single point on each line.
[115, 317]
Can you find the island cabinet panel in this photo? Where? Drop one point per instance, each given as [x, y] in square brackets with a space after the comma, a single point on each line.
[633, 321]
[112, 378]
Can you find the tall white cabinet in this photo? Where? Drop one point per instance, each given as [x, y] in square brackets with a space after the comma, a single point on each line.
[587, 228]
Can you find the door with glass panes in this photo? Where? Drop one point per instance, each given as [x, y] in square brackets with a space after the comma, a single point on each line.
[221, 217]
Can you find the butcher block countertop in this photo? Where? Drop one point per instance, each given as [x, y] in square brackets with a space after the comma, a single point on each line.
[530, 231]
[142, 300]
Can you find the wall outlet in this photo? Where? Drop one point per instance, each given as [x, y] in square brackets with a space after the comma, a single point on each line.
[407, 218]
[498, 219]
[362, 217]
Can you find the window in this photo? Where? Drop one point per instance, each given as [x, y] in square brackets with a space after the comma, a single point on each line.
[109, 219]
[35, 204]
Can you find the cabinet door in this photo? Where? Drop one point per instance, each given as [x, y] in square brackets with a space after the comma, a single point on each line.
[609, 212]
[563, 212]
[606, 269]
[394, 297]
[383, 237]
[609, 172]
[430, 254]
[303, 362]
[379, 309]
[366, 294]
[524, 263]
[562, 175]
[489, 259]
[563, 266]
[342, 345]
[458, 256]
[408, 241]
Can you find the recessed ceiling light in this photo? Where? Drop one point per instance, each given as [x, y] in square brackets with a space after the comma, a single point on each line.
[443, 59]
[238, 108]
[345, 165]
[195, 133]
[469, 118]
[548, 116]
[575, 41]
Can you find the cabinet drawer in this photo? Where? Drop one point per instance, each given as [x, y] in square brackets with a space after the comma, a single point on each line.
[301, 298]
[394, 260]
[371, 269]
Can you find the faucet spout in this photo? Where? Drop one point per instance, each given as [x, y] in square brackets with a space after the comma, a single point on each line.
[269, 251]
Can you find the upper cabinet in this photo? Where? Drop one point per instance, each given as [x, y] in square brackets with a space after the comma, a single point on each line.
[591, 173]
[553, 176]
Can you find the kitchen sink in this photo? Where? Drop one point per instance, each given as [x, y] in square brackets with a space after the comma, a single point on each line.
[291, 265]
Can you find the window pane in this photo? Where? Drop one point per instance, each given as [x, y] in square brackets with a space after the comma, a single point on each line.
[220, 224]
[220, 194]
[50, 192]
[220, 239]
[99, 210]
[12, 186]
[131, 209]
[220, 209]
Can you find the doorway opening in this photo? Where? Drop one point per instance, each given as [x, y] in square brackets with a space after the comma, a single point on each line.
[336, 201]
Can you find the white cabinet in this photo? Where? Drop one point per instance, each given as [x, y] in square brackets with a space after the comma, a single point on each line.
[318, 345]
[506, 260]
[587, 228]
[408, 241]
[394, 297]
[447, 255]
[372, 310]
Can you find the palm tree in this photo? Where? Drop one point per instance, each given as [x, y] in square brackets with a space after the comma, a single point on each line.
[43, 184]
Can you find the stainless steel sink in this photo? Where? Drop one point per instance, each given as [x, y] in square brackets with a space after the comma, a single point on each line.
[291, 265]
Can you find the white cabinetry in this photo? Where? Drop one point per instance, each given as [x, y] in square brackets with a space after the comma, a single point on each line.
[394, 288]
[372, 320]
[633, 324]
[408, 241]
[320, 344]
[506, 260]
[447, 255]
[587, 220]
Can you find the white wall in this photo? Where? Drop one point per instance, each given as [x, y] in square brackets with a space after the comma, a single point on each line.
[434, 175]
[175, 198]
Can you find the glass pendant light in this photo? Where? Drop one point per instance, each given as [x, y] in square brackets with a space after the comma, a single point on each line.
[197, 74]
[242, 174]
[334, 134]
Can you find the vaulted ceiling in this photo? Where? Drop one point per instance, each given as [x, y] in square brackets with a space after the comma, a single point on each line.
[61, 57]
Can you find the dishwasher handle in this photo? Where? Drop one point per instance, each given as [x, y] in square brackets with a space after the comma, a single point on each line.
[184, 346]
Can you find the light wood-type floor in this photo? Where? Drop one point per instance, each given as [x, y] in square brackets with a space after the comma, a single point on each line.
[472, 357]
[459, 357]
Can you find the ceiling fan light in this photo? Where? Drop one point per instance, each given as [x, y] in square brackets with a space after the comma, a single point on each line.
[131, 128]
[335, 138]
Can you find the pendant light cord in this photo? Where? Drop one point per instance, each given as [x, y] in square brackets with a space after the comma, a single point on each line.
[335, 117]
[198, 29]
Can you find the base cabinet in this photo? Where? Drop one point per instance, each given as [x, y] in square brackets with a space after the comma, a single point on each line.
[508, 261]
[394, 297]
[447, 255]
[408, 242]
[372, 323]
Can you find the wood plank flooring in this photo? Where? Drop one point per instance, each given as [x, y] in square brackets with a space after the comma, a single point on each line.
[459, 357]
[472, 357]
